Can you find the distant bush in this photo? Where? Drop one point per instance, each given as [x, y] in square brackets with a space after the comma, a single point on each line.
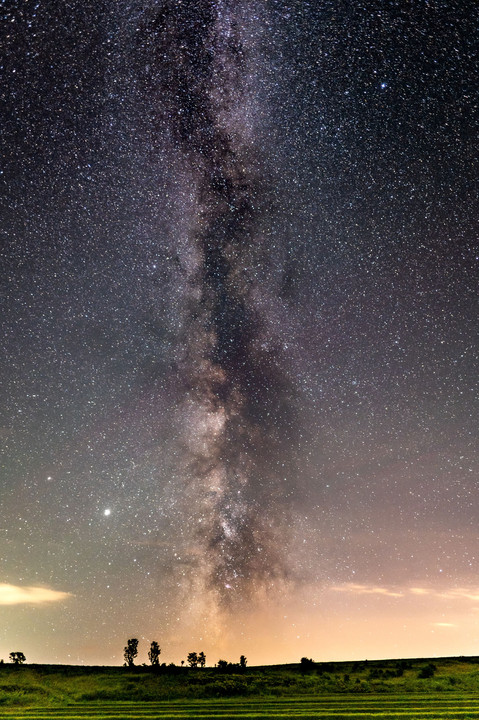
[172, 669]
[324, 667]
[427, 671]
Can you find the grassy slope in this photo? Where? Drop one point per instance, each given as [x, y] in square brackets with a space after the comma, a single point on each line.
[58, 685]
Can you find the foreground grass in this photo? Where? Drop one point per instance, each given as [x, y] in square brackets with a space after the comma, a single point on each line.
[443, 689]
[422, 707]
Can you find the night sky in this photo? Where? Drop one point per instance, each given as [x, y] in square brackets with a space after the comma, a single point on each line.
[239, 284]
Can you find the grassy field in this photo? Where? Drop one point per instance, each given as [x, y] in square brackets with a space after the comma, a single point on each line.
[324, 708]
[446, 688]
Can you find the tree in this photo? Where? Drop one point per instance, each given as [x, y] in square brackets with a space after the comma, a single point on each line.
[192, 659]
[201, 659]
[222, 664]
[307, 664]
[243, 661]
[130, 651]
[154, 653]
[18, 658]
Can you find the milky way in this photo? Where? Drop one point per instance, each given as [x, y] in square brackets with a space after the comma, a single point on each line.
[238, 409]
[239, 328]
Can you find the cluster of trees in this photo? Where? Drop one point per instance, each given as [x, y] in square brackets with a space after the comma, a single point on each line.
[131, 651]
[225, 665]
[193, 659]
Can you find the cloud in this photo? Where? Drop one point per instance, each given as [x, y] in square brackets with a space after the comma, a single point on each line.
[444, 624]
[460, 594]
[357, 589]
[29, 595]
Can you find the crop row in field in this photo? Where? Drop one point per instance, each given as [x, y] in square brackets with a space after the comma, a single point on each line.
[430, 707]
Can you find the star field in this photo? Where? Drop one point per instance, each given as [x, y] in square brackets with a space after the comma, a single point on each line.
[239, 282]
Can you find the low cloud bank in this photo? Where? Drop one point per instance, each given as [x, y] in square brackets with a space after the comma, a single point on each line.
[29, 595]
[456, 593]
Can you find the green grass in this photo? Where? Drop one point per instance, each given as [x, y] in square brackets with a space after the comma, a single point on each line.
[385, 689]
[324, 708]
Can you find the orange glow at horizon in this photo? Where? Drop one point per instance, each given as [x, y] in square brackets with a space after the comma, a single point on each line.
[352, 622]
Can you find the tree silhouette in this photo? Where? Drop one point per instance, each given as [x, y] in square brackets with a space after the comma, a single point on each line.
[201, 659]
[222, 664]
[130, 651]
[154, 653]
[18, 658]
[192, 659]
[243, 661]
[307, 664]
